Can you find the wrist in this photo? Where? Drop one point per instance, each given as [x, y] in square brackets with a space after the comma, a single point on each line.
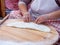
[25, 13]
[49, 16]
[46, 17]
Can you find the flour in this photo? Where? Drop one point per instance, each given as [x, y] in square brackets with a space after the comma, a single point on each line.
[30, 25]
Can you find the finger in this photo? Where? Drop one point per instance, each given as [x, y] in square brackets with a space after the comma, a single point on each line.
[36, 20]
[26, 19]
[39, 21]
[29, 19]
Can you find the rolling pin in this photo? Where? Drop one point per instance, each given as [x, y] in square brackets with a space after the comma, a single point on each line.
[4, 19]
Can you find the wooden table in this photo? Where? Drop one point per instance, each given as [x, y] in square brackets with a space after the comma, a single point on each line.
[23, 35]
[2, 8]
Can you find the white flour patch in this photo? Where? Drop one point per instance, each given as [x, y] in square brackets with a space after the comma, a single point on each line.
[30, 25]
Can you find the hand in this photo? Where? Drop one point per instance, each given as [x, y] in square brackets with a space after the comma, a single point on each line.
[27, 17]
[41, 19]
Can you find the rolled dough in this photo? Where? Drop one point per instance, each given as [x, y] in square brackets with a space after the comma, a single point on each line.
[30, 25]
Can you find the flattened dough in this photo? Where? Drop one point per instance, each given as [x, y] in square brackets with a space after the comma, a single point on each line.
[30, 25]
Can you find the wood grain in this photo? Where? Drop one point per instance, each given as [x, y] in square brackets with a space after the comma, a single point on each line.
[3, 8]
[21, 35]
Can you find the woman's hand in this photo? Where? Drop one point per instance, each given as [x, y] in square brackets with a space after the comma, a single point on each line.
[50, 16]
[26, 17]
[41, 19]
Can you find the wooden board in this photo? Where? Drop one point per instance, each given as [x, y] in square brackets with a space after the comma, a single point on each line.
[17, 34]
[2, 2]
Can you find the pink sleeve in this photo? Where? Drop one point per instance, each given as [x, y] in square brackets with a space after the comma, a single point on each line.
[12, 4]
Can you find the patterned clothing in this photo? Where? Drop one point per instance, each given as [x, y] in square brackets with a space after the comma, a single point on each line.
[12, 4]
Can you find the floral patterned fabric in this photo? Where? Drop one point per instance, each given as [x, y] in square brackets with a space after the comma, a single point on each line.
[12, 4]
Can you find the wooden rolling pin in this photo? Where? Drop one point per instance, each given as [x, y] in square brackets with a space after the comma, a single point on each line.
[4, 19]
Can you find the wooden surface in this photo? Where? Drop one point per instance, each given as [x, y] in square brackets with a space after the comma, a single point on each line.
[2, 6]
[21, 35]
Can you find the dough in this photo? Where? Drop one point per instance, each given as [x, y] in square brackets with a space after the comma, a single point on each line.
[30, 25]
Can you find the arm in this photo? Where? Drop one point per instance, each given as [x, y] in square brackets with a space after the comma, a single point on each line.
[23, 8]
[54, 15]
[43, 18]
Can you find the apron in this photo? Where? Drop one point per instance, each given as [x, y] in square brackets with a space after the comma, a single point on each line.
[40, 7]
